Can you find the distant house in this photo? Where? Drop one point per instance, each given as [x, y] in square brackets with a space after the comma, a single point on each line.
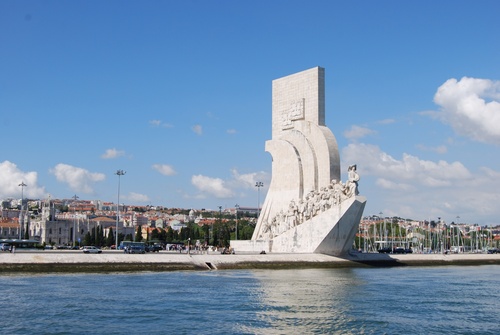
[177, 225]
[248, 210]
[146, 232]
[9, 228]
[141, 220]
[159, 223]
[205, 221]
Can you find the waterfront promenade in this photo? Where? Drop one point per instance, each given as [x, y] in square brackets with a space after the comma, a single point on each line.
[111, 261]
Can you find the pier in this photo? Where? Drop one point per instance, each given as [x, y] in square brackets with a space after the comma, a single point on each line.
[116, 261]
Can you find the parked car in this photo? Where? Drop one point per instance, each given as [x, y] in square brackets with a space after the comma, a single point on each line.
[135, 249]
[91, 250]
[4, 246]
[153, 248]
[401, 250]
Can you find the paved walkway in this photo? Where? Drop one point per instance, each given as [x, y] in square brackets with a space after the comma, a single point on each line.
[68, 261]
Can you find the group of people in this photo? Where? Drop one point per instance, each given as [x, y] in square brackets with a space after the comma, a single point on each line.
[314, 203]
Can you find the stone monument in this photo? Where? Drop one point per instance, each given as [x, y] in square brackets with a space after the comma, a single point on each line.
[307, 208]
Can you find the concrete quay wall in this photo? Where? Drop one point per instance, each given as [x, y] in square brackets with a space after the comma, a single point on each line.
[113, 261]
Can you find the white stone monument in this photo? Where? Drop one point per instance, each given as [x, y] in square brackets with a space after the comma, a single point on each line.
[307, 208]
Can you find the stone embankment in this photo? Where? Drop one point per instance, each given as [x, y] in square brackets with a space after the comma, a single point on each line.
[115, 261]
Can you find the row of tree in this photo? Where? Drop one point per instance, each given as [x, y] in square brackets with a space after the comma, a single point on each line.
[219, 234]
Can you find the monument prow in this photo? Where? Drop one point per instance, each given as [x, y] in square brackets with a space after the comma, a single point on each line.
[307, 208]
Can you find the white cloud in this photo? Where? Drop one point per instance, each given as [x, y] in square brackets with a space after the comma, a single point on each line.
[392, 185]
[231, 131]
[411, 187]
[112, 153]
[410, 168]
[78, 179]
[386, 121]
[159, 123]
[236, 185]
[440, 149]
[133, 197]
[471, 107]
[248, 180]
[10, 178]
[212, 186]
[197, 129]
[164, 169]
[357, 132]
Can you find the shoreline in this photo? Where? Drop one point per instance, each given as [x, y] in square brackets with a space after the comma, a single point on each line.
[116, 261]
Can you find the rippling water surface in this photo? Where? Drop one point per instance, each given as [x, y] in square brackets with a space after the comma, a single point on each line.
[413, 300]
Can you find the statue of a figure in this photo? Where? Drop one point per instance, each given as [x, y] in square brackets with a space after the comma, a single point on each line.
[291, 215]
[353, 177]
[300, 211]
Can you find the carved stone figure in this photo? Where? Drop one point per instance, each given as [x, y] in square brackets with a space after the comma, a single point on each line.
[353, 177]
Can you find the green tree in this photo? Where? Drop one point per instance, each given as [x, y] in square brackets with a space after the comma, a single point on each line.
[87, 239]
[176, 236]
[92, 236]
[185, 233]
[110, 240]
[205, 232]
[169, 234]
[26, 232]
[163, 235]
[155, 235]
[138, 234]
[245, 229]
[97, 236]
[100, 231]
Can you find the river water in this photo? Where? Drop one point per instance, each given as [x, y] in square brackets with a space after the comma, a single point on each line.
[402, 300]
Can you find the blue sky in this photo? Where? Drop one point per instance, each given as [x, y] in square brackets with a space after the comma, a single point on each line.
[178, 94]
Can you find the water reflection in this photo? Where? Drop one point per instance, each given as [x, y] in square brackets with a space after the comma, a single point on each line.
[303, 301]
[435, 300]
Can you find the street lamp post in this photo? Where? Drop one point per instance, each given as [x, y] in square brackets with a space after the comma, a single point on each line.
[21, 221]
[237, 208]
[220, 222]
[74, 219]
[383, 234]
[440, 235]
[119, 173]
[258, 184]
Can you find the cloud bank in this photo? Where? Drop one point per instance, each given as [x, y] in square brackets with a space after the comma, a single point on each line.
[10, 178]
[357, 132]
[78, 179]
[164, 169]
[471, 107]
[226, 189]
[112, 153]
[416, 188]
[212, 186]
